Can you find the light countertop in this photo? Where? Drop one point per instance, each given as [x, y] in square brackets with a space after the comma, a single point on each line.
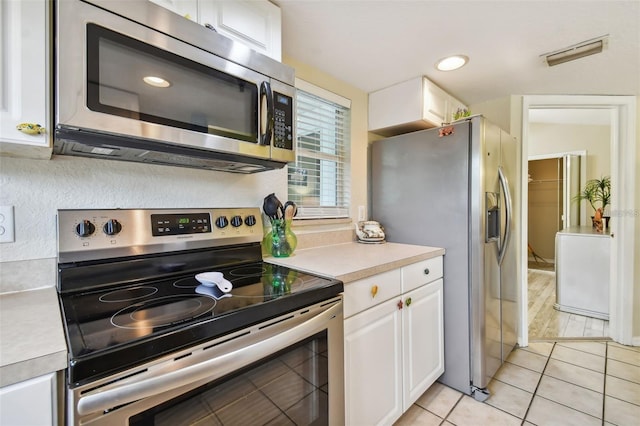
[32, 341]
[584, 231]
[354, 261]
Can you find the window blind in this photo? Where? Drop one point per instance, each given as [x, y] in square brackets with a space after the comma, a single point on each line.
[319, 179]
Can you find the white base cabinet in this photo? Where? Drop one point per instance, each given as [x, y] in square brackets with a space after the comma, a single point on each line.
[393, 341]
[31, 402]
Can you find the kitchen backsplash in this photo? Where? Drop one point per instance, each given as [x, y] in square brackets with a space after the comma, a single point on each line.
[38, 188]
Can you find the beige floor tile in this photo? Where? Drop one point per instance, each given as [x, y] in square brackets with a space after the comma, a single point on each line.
[575, 374]
[622, 370]
[620, 412]
[509, 398]
[545, 412]
[623, 390]
[419, 417]
[439, 399]
[519, 377]
[624, 355]
[540, 348]
[595, 348]
[527, 359]
[570, 395]
[469, 412]
[618, 345]
[576, 357]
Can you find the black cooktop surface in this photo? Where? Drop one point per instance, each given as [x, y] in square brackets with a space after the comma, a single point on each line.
[124, 325]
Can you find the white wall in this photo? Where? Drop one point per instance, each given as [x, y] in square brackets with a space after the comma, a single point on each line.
[37, 188]
[546, 138]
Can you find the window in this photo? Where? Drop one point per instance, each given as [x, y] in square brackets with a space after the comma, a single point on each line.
[318, 180]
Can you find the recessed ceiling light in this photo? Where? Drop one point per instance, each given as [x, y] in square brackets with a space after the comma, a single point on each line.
[451, 63]
[156, 81]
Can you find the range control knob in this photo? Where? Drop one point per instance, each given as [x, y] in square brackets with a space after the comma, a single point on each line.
[250, 220]
[222, 222]
[236, 221]
[85, 228]
[112, 227]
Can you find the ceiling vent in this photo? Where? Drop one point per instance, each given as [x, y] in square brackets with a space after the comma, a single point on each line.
[580, 50]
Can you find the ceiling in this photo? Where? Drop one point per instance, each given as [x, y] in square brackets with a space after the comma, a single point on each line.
[372, 44]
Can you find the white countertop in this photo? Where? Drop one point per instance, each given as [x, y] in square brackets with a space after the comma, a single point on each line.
[354, 261]
[584, 231]
[32, 341]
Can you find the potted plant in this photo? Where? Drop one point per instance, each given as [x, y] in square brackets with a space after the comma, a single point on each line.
[598, 193]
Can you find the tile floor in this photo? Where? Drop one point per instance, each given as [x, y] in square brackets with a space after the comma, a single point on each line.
[547, 383]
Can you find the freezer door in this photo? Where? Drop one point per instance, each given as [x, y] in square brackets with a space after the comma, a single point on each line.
[419, 193]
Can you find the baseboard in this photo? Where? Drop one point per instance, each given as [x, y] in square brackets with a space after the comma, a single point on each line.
[635, 341]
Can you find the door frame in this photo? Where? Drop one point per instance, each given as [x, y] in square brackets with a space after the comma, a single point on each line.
[623, 172]
[583, 173]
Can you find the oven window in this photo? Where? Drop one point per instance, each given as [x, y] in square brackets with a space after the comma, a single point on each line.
[289, 388]
[132, 79]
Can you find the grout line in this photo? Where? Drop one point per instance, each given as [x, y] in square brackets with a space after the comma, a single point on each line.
[604, 385]
[452, 408]
[535, 391]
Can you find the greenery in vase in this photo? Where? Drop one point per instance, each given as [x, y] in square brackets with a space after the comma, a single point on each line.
[597, 192]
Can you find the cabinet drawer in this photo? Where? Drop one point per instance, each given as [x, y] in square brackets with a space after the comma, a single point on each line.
[417, 274]
[363, 294]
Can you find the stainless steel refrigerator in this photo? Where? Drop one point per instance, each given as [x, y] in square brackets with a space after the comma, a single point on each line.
[451, 187]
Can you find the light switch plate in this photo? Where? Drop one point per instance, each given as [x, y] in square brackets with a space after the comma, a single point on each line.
[7, 227]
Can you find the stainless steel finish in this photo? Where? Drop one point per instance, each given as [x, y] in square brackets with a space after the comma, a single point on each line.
[442, 184]
[147, 386]
[136, 237]
[504, 184]
[83, 132]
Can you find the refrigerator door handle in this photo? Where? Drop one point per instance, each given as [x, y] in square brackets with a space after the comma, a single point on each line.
[504, 183]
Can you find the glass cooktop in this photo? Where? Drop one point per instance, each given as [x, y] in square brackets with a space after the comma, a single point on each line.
[124, 325]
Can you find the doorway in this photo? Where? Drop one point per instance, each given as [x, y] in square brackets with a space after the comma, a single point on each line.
[622, 113]
[554, 182]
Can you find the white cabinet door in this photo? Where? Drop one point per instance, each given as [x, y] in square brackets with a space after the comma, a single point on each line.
[423, 340]
[31, 402]
[184, 8]
[435, 104]
[373, 365]
[256, 24]
[24, 77]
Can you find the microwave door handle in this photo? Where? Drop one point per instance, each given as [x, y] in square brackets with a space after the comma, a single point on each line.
[266, 113]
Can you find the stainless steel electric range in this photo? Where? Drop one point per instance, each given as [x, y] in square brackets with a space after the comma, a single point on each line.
[166, 310]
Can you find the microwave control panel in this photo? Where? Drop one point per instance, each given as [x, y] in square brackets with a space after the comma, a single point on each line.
[283, 117]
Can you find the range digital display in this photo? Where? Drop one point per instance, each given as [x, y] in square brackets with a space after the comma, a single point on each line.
[178, 224]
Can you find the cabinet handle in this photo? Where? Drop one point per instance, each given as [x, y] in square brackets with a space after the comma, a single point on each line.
[399, 304]
[374, 291]
[426, 271]
[31, 128]
[408, 301]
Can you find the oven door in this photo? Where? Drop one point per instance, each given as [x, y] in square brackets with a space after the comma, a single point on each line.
[288, 369]
[116, 76]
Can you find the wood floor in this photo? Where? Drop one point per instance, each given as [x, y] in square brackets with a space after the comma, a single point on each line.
[546, 322]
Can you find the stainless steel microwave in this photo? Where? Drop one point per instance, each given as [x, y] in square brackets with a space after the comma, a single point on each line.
[137, 82]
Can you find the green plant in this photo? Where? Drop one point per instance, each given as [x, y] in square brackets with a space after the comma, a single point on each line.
[597, 192]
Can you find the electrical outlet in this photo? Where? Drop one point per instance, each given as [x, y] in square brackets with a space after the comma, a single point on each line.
[361, 213]
[6, 224]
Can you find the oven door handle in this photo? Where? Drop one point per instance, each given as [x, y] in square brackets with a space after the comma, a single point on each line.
[216, 367]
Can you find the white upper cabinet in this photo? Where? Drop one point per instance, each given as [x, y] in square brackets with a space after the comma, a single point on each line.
[412, 105]
[255, 23]
[25, 127]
